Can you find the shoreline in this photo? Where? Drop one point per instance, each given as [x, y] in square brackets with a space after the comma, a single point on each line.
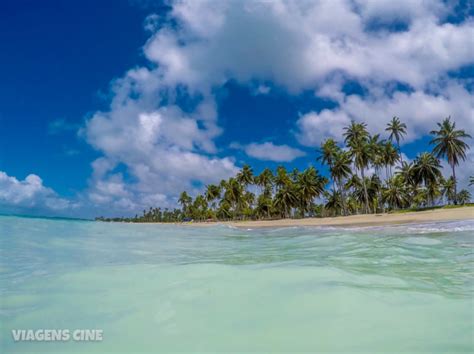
[437, 215]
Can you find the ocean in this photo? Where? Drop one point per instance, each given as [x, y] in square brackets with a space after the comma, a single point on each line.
[164, 289]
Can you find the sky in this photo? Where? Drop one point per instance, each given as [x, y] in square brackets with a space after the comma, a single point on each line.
[109, 107]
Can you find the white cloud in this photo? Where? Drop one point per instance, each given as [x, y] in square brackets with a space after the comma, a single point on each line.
[153, 148]
[270, 152]
[418, 109]
[164, 149]
[296, 44]
[29, 193]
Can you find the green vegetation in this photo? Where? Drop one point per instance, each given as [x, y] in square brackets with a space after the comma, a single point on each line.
[412, 186]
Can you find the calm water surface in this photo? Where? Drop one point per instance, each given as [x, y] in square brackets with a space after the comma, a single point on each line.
[162, 289]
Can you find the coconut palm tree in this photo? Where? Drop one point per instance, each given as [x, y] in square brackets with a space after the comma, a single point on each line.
[285, 199]
[390, 157]
[447, 189]
[213, 192]
[464, 197]
[427, 170]
[355, 132]
[309, 185]
[405, 170]
[471, 180]
[327, 151]
[234, 195]
[185, 200]
[362, 156]
[397, 130]
[395, 194]
[340, 170]
[265, 180]
[245, 176]
[448, 143]
[264, 206]
[281, 179]
[377, 148]
[333, 202]
[357, 137]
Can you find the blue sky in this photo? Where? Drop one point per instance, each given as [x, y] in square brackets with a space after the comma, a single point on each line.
[112, 106]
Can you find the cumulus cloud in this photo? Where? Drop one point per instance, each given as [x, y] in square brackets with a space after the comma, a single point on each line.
[27, 194]
[418, 109]
[297, 43]
[153, 147]
[164, 149]
[271, 152]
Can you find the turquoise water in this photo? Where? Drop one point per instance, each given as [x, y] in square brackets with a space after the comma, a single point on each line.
[155, 288]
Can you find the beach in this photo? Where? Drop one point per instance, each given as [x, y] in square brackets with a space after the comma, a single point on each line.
[464, 213]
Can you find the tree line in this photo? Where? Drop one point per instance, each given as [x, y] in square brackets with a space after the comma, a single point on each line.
[367, 175]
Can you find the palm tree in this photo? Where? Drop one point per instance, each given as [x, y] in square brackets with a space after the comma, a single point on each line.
[327, 151]
[395, 194]
[245, 176]
[464, 197]
[377, 148]
[355, 133]
[285, 200]
[264, 206]
[449, 144]
[265, 180]
[362, 156]
[213, 192]
[340, 170]
[185, 200]
[281, 179]
[333, 202]
[357, 137]
[447, 189]
[354, 184]
[309, 185]
[390, 157]
[406, 172]
[471, 180]
[397, 130]
[234, 195]
[426, 169]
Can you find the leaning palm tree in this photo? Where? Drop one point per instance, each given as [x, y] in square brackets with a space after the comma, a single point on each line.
[397, 130]
[340, 170]
[464, 197]
[448, 142]
[327, 151]
[213, 192]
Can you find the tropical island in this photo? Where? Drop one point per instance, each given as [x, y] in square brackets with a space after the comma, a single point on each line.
[368, 175]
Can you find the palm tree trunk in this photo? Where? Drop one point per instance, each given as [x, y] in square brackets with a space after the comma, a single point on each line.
[366, 196]
[455, 182]
[343, 199]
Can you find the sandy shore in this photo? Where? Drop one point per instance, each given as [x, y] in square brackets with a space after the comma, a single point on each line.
[465, 213]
